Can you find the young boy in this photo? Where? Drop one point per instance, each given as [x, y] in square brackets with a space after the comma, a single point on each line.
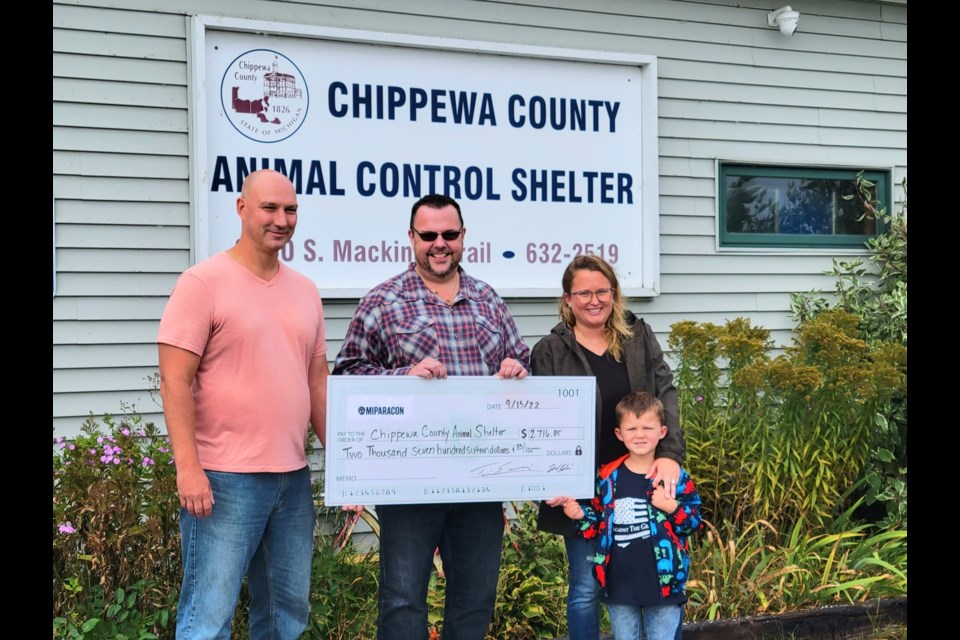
[642, 555]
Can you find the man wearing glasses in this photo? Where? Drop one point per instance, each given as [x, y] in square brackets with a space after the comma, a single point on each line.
[433, 320]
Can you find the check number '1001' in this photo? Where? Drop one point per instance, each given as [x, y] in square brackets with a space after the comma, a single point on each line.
[568, 393]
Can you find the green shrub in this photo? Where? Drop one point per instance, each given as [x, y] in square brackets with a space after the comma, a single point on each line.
[532, 589]
[344, 581]
[876, 294]
[124, 616]
[782, 439]
[343, 593]
[116, 540]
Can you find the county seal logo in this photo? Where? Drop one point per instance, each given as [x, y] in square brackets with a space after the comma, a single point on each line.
[264, 95]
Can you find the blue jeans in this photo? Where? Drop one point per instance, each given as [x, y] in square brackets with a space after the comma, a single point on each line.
[469, 536]
[261, 526]
[645, 623]
[583, 590]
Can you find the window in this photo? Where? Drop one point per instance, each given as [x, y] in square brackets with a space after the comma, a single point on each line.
[762, 206]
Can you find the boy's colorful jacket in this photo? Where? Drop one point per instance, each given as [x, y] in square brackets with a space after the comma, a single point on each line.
[669, 531]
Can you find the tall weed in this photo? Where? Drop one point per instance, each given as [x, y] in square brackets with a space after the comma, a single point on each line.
[756, 569]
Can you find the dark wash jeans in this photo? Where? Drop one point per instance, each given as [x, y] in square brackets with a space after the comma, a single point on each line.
[469, 536]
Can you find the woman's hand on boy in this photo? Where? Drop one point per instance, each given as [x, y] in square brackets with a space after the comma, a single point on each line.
[668, 471]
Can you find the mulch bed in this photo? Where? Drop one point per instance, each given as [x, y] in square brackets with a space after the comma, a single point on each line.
[840, 622]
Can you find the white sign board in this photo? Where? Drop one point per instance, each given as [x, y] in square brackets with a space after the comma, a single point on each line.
[406, 440]
[551, 153]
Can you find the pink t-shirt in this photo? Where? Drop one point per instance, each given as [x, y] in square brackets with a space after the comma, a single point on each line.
[255, 340]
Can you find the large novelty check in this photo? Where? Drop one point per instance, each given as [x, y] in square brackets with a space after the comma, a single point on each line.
[406, 440]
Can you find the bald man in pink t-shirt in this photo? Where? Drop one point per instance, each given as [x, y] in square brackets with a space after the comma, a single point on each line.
[243, 371]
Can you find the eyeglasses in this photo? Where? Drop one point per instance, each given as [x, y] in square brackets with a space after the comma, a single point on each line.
[429, 236]
[603, 295]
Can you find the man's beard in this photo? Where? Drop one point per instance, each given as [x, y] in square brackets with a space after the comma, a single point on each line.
[428, 268]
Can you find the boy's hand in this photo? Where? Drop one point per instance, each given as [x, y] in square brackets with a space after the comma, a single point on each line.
[573, 510]
[661, 501]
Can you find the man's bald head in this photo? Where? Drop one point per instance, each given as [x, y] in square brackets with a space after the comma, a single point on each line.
[250, 182]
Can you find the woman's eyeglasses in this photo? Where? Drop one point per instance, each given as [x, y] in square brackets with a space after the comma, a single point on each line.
[429, 236]
[603, 295]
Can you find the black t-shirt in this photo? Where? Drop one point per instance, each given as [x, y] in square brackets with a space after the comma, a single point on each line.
[614, 383]
[632, 577]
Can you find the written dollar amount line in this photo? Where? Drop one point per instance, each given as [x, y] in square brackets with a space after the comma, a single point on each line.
[540, 433]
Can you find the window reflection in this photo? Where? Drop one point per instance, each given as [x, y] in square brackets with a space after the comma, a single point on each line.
[795, 206]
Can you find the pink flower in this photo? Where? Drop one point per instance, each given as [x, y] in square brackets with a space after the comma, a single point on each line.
[66, 528]
[699, 398]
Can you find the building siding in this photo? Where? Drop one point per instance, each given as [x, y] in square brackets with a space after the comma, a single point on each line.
[730, 88]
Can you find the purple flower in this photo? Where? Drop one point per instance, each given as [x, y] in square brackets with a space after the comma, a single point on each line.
[66, 528]
[93, 452]
[699, 398]
[148, 461]
[116, 460]
[72, 447]
[99, 439]
[125, 432]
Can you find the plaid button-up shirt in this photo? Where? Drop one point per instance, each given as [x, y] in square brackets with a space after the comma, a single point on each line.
[400, 322]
